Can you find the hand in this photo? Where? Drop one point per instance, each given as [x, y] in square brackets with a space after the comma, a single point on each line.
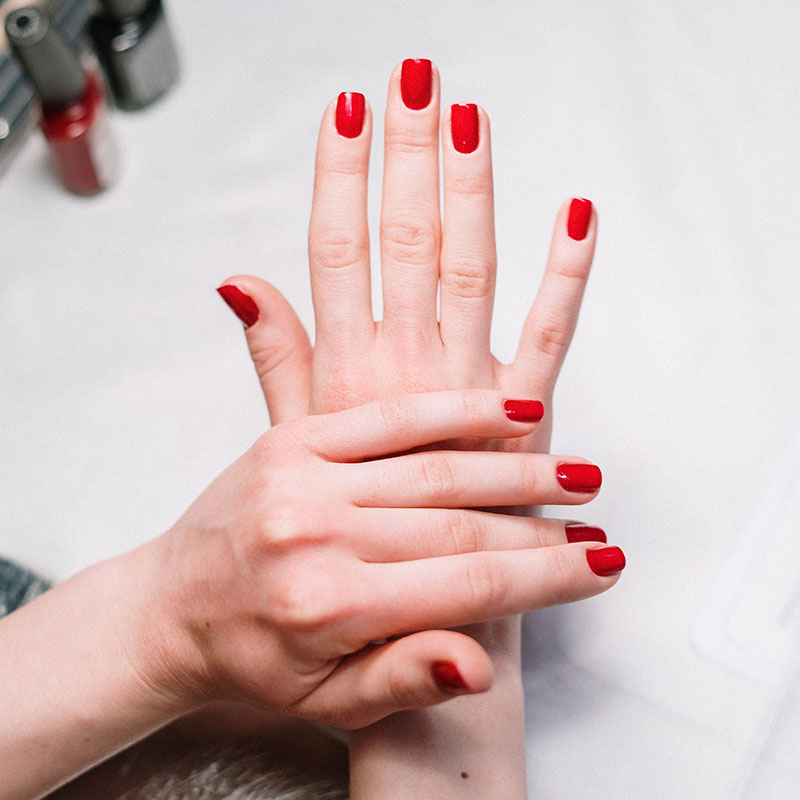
[356, 359]
[318, 543]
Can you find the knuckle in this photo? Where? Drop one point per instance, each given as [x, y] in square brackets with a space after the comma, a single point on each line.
[488, 584]
[561, 577]
[470, 184]
[343, 167]
[436, 471]
[297, 608]
[469, 276]
[410, 241]
[336, 248]
[270, 357]
[472, 409]
[552, 337]
[399, 413]
[402, 140]
[573, 270]
[527, 477]
[464, 532]
[403, 693]
[285, 531]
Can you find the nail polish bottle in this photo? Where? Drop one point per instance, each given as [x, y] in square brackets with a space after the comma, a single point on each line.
[137, 51]
[72, 102]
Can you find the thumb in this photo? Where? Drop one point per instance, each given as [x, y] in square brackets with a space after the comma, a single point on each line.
[278, 343]
[419, 670]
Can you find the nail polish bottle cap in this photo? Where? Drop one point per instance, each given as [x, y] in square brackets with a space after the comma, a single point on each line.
[120, 9]
[49, 62]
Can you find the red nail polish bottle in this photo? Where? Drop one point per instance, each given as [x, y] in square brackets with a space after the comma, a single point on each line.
[72, 102]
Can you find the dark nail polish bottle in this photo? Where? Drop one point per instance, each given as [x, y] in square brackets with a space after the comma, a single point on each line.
[72, 102]
[136, 49]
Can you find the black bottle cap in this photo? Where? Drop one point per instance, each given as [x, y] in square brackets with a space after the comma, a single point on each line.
[120, 9]
[49, 62]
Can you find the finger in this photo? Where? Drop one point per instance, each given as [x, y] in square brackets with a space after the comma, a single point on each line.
[403, 422]
[461, 479]
[404, 534]
[469, 259]
[278, 344]
[420, 670]
[338, 237]
[410, 223]
[459, 590]
[551, 322]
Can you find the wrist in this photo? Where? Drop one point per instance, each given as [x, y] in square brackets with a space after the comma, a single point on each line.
[157, 634]
[501, 638]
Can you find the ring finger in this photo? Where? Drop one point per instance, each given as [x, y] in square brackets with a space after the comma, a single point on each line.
[405, 534]
[469, 259]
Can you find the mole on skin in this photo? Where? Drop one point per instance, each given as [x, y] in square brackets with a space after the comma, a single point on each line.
[465, 775]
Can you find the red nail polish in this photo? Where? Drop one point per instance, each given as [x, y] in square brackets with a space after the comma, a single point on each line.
[350, 114]
[72, 102]
[240, 303]
[464, 127]
[578, 532]
[446, 674]
[416, 82]
[580, 215]
[579, 477]
[606, 561]
[523, 410]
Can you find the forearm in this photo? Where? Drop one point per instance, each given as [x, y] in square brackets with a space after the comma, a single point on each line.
[71, 688]
[469, 747]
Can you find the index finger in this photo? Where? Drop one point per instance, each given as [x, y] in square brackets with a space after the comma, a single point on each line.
[404, 422]
[338, 234]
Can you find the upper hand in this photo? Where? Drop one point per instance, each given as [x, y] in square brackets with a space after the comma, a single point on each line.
[320, 541]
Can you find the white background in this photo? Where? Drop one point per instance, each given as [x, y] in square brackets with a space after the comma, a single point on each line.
[126, 384]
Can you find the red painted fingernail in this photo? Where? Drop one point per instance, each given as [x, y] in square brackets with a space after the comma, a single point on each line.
[350, 114]
[579, 477]
[242, 304]
[523, 410]
[464, 127]
[580, 215]
[578, 532]
[446, 674]
[606, 561]
[416, 82]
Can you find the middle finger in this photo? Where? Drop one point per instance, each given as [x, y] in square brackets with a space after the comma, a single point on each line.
[462, 479]
[410, 222]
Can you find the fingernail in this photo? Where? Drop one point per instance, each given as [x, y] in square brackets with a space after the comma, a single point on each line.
[416, 82]
[606, 561]
[446, 674]
[579, 477]
[578, 532]
[523, 410]
[350, 114]
[580, 215]
[464, 127]
[241, 304]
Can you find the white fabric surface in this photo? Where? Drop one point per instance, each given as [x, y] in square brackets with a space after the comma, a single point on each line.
[126, 384]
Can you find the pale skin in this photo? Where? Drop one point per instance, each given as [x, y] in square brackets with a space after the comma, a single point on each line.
[355, 359]
[275, 586]
[256, 564]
